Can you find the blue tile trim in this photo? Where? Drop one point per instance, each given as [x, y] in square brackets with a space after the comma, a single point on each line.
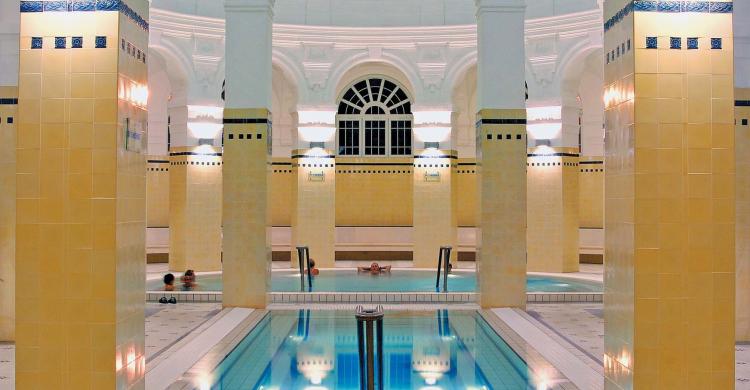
[84, 5]
[76, 42]
[56, 6]
[668, 6]
[692, 43]
[32, 6]
[100, 42]
[36, 42]
[61, 42]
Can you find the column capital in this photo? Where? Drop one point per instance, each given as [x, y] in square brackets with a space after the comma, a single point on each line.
[506, 6]
[249, 6]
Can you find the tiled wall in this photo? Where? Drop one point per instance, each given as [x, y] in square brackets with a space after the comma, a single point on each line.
[313, 204]
[466, 193]
[280, 192]
[8, 119]
[157, 191]
[81, 205]
[195, 208]
[435, 201]
[501, 240]
[669, 208]
[374, 191]
[552, 209]
[591, 192]
[742, 187]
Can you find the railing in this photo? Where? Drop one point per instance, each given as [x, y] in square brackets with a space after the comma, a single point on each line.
[444, 261]
[366, 339]
[303, 255]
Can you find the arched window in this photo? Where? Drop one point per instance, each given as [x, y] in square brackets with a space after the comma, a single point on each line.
[374, 119]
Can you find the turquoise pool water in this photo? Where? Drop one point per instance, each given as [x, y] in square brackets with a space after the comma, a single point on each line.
[317, 350]
[396, 280]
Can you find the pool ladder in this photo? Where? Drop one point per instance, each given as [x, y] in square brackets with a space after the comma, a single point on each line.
[367, 341]
[444, 261]
[303, 255]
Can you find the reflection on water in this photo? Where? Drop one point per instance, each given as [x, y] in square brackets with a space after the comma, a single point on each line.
[318, 350]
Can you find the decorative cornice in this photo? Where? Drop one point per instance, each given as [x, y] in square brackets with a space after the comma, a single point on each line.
[668, 6]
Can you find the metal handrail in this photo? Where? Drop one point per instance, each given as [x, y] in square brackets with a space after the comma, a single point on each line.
[444, 260]
[303, 252]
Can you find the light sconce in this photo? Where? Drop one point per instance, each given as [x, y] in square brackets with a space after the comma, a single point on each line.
[316, 144]
[432, 145]
[542, 142]
[205, 141]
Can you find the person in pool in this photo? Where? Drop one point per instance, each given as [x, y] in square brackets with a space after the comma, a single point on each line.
[314, 271]
[188, 280]
[375, 268]
[168, 282]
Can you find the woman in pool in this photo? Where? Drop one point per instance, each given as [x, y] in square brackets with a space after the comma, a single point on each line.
[375, 268]
[188, 280]
[168, 282]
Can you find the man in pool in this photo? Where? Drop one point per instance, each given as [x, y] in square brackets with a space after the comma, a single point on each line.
[375, 268]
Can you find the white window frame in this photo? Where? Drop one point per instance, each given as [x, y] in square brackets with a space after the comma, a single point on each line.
[387, 117]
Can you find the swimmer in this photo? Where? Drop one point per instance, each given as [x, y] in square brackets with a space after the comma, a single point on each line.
[374, 268]
[314, 271]
[188, 280]
[168, 282]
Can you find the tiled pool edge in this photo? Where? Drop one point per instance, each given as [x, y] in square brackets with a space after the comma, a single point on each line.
[375, 297]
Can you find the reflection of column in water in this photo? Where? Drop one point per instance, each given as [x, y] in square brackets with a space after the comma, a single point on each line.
[430, 356]
[463, 329]
[315, 353]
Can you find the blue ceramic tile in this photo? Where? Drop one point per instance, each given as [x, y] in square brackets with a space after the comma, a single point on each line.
[77, 42]
[36, 42]
[651, 42]
[716, 43]
[139, 55]
[10, 120]
[83, 5]
[721, 7]
[692, 43]
[100, 42]
[675, 43]
[645, 5]
[61, 42]
[107, 5]
[696, 6]
[32, 6]
[55, 6]
[669, 6]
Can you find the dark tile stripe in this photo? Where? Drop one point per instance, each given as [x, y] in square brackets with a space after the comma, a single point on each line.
[236, 121]
[8, 101]
[505, 121]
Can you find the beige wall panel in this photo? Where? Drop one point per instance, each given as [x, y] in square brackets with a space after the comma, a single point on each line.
[435, 202]
[374, 191]
[157, 191]
[591, 190]
[466, 193]
[280, 192]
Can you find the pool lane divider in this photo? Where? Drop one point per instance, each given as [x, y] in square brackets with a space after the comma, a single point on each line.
[376, 297]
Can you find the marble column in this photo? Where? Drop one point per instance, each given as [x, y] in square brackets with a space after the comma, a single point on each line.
[247, 147]
[669, 196]
[8, 119]
[434, 210]
[314, 207]
[552, 185]
[195, 184]
[501, 153]
[80, 200]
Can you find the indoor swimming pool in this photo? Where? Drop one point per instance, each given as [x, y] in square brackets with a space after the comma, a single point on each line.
[421, 350]
[343, 280]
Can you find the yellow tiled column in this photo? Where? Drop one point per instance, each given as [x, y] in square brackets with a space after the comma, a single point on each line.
[591, 190]
[8, 118]
[434, 210]
[81, 210]
[501, 242]
[742, 187]
[195, 208]
[669, 196]
[246, 244]
[552, 196]
[157, 191]
[314, 206]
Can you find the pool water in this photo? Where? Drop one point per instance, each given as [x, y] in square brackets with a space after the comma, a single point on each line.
[316, 350]
[396, 280]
